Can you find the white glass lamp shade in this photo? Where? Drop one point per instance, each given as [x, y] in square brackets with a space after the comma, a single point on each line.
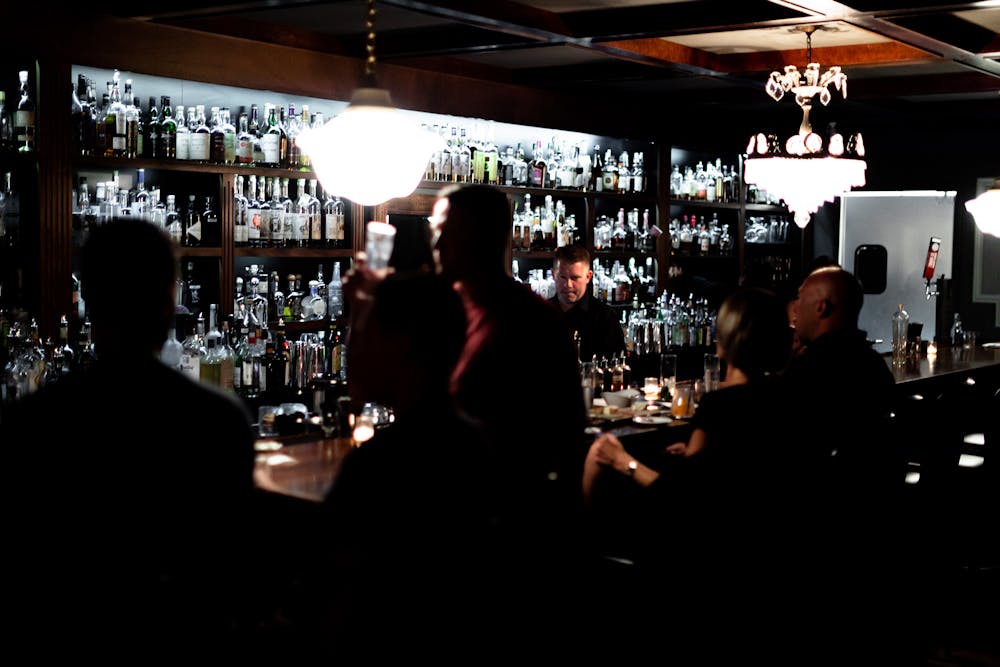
[370, 152]
[985, 209]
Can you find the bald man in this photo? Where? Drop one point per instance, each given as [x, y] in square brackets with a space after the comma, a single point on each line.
[843, 391]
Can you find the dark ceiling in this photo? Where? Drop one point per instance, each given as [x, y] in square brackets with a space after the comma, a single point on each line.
[917, 60]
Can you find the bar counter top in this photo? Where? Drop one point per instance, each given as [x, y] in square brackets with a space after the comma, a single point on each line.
[947, 361]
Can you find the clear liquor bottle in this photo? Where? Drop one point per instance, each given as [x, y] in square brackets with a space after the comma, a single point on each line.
[244, 142]
[193, 349]
[461, 164]
[173, 221]
[24, 117]
[75, 114]
[192, 224]
[201, 137]
[289, 221]
[216, 138]
[277, 217]
[624, 173]
[609, 173]
[170, 353]
[228, 136]
[313, 305]
[638, 173]
[253, 214]
[264, 204]
[139, 198]
[241, 238]
[182, 141]
[300, 216]
[315, 215]
[292, 127]
[226, 359]
[334, 222]
[293, 299]
[335, 294]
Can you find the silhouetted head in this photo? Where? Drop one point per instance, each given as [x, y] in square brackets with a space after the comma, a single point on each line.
[829, 299]
[472, 229]
[752, 331]
[128, 271]
[404, 347]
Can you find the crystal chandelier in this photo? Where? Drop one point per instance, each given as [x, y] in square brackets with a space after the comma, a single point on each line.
[985, 209]
[804, 172]
[370, 152]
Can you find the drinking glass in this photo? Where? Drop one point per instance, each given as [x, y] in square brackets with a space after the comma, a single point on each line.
[668, 371]
[681, 406]
[713, 369]
[379, 239]
[587, 384]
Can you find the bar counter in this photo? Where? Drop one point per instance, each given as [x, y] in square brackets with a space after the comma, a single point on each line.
[303, 466]
[947, 361]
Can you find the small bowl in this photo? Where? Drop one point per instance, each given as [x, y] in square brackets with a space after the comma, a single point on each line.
[621, 399]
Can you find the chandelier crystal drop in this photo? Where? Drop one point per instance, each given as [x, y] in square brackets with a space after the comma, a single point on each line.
[805, 172]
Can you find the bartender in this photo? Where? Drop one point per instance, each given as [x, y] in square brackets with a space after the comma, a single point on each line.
[595, 321]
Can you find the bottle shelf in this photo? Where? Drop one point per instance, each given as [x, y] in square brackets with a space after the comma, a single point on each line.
[246, 251]
[623, 253]
[704, 258]
[189, 166]
[434, 186]
[199, 251]
[766, 208]
[701, 203]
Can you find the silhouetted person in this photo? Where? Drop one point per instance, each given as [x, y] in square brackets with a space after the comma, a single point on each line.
[128, 485]
[595, 321]
[518, 380]
[407, 516]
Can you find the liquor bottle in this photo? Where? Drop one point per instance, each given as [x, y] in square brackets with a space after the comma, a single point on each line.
[139, 198]
[900, 326]
[289, 221]
[315, 216]
[277, 216]
[256, 133]
[292, 127]
[270, 140]
[151, 144]
[240, 236]
[253, 214]
[7, 136]
[182, 141]
[293, 299]
[300, 215]
[192, 289]
[638, 173]
[227, 358]
[201, 135]
[210, 365]
[75, 118]
[24, 117]
[313, 306]
[216, 138]
[335, 294]
[228, 136]
[244, 142]
[596, 170]
[167, 147]
[610, 174]
[283, 142]
[333, 221]
[264, 204]
[192, 224]
[10, 212]
[624, 173]
[133, 125]
[192, 350]
[305, 162]
[211, 232]
[461, 163]
[537, 167]
[173, 222]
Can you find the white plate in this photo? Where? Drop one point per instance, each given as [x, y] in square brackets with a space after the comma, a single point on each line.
[645, 419]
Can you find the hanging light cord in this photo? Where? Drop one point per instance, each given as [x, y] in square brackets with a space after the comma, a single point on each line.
[370, 45]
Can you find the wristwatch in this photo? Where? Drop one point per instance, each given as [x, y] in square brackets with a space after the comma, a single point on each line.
[632, 465]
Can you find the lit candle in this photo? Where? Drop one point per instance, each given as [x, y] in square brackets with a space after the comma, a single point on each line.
[651, 389]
